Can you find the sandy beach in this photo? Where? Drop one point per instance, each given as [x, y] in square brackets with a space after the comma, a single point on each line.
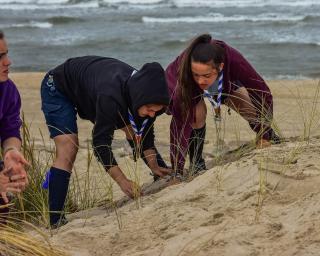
[259, 202]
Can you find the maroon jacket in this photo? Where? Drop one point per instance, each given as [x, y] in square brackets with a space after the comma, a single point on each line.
[237, 71]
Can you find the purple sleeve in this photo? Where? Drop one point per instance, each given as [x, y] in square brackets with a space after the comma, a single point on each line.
[10, 122]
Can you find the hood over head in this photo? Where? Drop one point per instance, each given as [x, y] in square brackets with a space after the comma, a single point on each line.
[148, 86]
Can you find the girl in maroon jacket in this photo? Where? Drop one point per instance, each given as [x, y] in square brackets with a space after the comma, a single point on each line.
[213, 69]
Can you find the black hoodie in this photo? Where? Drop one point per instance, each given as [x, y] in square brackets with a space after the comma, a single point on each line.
[103, 89]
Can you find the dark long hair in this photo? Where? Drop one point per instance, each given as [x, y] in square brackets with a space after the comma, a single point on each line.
[202, 50]
[1, 34]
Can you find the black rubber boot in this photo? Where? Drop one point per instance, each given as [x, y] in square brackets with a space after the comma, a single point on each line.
[58, 189]
[160, 160]
[196, 142]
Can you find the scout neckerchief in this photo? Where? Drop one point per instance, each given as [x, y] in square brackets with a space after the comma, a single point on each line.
[138, 132]
[216, 104]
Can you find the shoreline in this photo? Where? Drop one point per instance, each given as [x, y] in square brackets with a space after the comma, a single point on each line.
[285, 77]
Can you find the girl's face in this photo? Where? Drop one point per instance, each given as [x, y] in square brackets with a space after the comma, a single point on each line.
[204, 74]
[5, 62]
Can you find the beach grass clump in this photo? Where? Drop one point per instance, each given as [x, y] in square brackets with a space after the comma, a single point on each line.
[88, 188]
[32, 204]
[310, 118]
[15, 242]
[85, 190]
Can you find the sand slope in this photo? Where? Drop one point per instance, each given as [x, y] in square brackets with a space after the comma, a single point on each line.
[259, 202]
[265, 203]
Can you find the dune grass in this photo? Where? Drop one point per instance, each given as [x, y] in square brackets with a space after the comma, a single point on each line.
[15, 242]
[88, 188]
[309, 114]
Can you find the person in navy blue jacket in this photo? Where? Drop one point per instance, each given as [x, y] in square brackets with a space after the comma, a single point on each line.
[112, 95]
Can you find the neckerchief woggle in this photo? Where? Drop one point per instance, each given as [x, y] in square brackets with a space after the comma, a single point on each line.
[216, 104]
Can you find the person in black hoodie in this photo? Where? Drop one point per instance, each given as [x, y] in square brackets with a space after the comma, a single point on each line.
[112, 95]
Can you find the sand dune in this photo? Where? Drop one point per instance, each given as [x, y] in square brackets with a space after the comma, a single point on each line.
[262, 204]
[250, 202]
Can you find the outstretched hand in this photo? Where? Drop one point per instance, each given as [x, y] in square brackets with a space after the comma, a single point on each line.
[262, 143]
[130, 188]
[161, 171]
[15, 161]
[10, 183]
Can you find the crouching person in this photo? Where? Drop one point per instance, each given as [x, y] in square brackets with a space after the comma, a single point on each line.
[112, 95]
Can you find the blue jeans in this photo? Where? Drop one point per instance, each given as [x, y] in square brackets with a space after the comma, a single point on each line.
[59, 112]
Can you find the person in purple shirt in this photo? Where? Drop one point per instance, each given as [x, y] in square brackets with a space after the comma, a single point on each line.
[13, 177]
[194, 75]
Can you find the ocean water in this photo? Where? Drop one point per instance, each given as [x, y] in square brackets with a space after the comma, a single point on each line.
[280, 38]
